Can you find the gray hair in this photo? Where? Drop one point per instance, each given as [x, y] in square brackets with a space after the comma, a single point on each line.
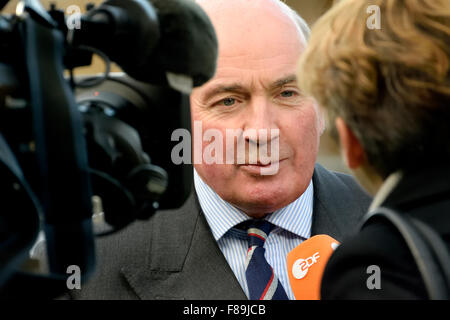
[302, 27]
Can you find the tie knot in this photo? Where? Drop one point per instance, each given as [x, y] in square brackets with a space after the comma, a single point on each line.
[258, 231]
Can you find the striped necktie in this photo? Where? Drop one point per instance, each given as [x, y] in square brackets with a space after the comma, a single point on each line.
[262, 283]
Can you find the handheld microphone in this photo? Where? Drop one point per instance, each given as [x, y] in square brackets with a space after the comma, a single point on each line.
[306, 264]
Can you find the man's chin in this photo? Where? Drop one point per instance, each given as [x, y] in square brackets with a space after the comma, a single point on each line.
[266, 196]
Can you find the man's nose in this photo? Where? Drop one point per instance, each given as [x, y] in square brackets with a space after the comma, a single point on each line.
[260, 122]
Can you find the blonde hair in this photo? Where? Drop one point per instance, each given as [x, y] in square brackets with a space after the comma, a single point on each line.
[391, 85]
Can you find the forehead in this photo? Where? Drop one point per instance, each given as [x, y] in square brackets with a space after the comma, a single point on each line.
[254, 37]
[260, 24]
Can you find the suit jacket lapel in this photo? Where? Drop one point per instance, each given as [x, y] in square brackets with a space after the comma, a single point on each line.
[339, 204]
[183, 260]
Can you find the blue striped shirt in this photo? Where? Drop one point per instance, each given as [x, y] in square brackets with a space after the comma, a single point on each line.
[292, 227]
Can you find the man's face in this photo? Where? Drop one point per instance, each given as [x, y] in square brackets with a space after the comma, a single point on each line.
[255, 88]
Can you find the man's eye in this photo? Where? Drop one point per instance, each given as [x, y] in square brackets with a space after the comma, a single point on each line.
[228, 102]
[287, 94]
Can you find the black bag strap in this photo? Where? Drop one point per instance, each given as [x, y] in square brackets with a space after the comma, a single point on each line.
[438, 247]
[427, 248]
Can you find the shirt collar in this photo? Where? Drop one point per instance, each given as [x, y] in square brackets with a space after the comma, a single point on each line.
[222, 216]
[386, 189]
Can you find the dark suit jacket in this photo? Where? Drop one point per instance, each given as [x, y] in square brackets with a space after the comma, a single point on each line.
[174, 254]
[425, 195]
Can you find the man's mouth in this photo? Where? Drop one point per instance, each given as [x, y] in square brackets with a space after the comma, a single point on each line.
[260, 168]
[259, 164]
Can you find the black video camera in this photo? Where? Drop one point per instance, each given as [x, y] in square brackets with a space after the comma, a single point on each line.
[66, 139]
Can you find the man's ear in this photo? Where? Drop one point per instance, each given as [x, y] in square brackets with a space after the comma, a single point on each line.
[351, 149]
